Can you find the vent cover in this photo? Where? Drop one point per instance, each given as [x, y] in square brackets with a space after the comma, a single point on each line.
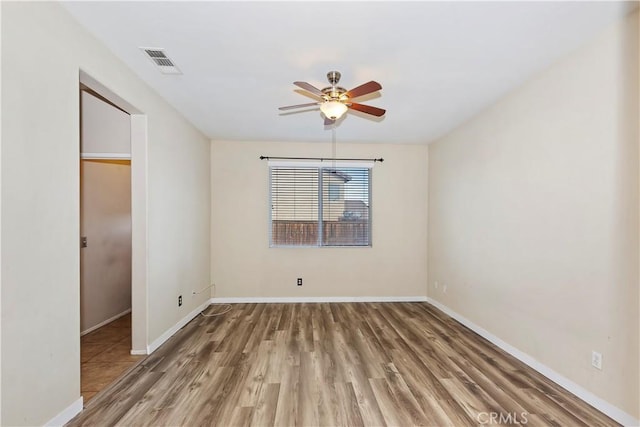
[161, 60]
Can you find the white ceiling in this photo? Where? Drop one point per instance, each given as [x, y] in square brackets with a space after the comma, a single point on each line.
[439, 63]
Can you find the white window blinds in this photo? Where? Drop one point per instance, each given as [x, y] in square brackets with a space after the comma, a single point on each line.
[320, 205]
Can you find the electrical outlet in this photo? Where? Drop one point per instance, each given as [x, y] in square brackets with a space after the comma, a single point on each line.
[435, 284]
[596, 360]
[444, 288]
[299, 281]
[179, 300]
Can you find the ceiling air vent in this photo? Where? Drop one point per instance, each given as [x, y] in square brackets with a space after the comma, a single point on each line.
[161, 60]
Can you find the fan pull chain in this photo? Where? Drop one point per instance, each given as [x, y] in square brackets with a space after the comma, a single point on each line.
[333, 145]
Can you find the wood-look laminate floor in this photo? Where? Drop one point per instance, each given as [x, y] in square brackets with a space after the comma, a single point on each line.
[343, 364]
[105, 355]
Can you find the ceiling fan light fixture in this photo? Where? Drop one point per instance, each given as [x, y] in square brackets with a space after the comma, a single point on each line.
[333, 109]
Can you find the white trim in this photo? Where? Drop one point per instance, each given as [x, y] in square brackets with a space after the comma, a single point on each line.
[328, 163]
[109, 320]
[261, 300]
[600, 404]
[108, 156]
[67, 414]
[175, 328]
[139, 234]
[138, 352]
[107, 93]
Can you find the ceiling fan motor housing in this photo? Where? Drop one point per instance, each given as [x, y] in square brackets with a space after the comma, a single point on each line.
[334, 93]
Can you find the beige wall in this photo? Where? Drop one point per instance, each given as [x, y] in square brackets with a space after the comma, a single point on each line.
[40, 205]
[104, 128]
[243, 265]
[533, 217]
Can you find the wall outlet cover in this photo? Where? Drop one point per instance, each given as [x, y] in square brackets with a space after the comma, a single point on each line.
[596, 360]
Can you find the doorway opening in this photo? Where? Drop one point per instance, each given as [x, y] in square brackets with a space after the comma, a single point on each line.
[105, 273]
[113, 190]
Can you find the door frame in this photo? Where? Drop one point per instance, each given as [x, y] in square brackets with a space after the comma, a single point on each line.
[139, 209]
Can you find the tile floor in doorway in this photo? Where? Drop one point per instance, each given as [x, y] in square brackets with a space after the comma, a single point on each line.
[105, 356]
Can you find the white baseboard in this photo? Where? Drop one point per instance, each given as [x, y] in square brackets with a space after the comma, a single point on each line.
[600, 404]
[139, 352]
[109, 320]
[66, 415]
[175, 328]
[276, 300]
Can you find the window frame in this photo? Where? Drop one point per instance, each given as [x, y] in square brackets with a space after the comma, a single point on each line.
[319, 166]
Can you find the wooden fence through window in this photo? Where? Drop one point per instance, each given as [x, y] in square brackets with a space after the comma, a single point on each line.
[335, 233]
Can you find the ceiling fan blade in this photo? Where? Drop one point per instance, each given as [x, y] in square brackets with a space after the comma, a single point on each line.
[291, 107]
[374, 111]
[306, 86]
[363, 89]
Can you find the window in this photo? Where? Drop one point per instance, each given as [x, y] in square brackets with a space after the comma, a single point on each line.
[320, 205]
[335, 192]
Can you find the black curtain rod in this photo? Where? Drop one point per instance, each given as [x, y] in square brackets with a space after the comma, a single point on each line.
[322, 159]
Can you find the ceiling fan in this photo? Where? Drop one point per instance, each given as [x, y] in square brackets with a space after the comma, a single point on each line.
[334, 100]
